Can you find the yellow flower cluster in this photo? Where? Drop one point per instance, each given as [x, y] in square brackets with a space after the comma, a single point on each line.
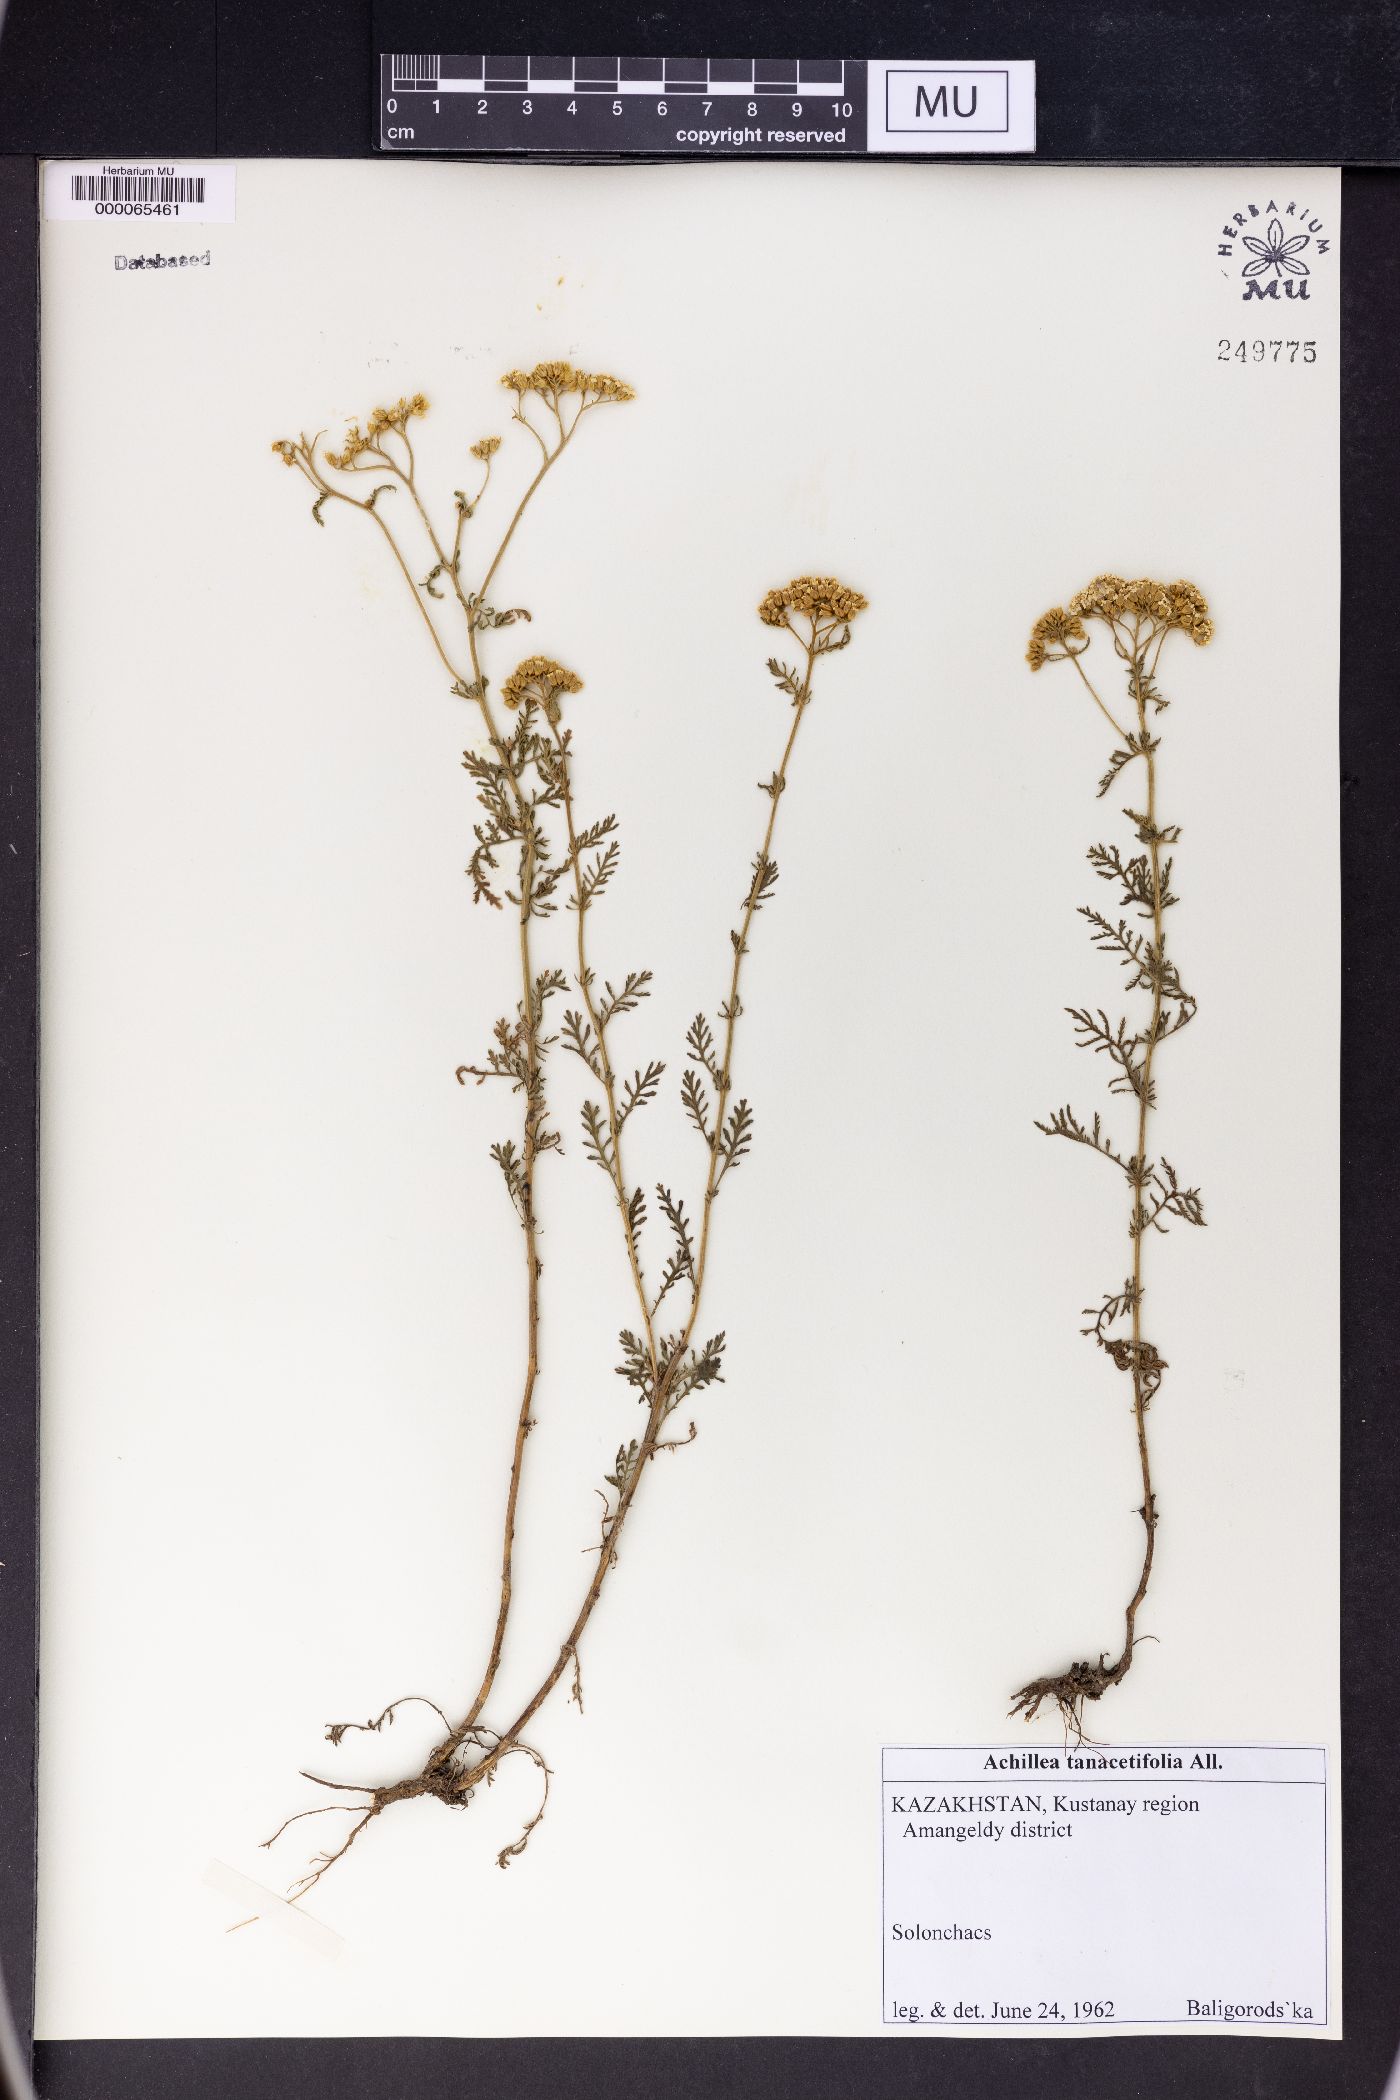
[380, 420]
[1170, 604]
[1057, 625]
[394, 418]
[286, 451]
[1114, 598]
[484, 447]
[603, 387]
[556, 377]
[1191, 613]
[820, 597]
[541, 679]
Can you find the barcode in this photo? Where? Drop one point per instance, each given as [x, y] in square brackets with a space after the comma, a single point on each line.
[138, 189]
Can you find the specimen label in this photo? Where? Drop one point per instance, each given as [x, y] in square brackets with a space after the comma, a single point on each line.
[1161, 1886]
[434, 102]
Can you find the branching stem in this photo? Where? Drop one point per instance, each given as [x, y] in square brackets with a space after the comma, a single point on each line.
[656, 1416]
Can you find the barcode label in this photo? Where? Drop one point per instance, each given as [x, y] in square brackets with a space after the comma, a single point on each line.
[137, 190]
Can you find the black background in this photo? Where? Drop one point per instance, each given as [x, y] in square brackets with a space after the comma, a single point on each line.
[1158, 83]
[1128, 81]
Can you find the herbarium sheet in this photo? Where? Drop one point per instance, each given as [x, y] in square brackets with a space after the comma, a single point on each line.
[689, 1059]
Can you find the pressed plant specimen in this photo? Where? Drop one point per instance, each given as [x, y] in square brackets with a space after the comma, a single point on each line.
[1137, 617]
[545, 867]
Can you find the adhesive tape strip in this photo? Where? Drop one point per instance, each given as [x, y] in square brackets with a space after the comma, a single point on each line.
[261, 1902]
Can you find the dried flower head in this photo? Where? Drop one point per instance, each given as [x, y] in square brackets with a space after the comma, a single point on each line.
[555, 377]
[1148, 598]
[286, 451]
[552, 376]
[1055, 626]
[485, 447]
[1149, 608]
[353, 444]
[1190, 612]
[602, 386]
[541, 679]
[1101, 599]
[820, 597]
[396, 418]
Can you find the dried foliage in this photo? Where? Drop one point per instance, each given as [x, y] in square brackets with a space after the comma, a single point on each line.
[546, 869]
[1137, 617]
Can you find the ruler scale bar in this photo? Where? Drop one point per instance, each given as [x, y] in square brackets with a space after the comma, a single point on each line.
[610, 106]
[413, 73]
[566, 84]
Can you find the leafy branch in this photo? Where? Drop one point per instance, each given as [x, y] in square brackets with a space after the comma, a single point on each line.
[1066, 1124]
[636, 986]
[1146, 883]
[680, 1262]
[1094, 1031]
[639, 1090]
[1134, 746]
[1166, 1198]
[697, 1104]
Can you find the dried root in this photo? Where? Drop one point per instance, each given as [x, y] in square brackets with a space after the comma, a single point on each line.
[442, 1778]
[1071, 1691]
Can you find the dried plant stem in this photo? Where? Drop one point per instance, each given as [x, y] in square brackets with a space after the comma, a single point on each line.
[651, 1440]
[1148, 1511]
[1090, 1680]
[732, 1009]
[529, 1149]
[1138, 616]
[531, 1119]
[448, 1749]
[403, 471]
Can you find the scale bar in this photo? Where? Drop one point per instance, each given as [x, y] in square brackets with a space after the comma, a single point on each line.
[610, 107]
[477, 74]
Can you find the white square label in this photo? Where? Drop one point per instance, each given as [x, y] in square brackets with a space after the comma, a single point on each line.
[920, 108]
